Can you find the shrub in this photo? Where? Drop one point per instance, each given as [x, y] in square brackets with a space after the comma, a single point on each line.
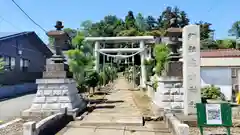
[212, 92]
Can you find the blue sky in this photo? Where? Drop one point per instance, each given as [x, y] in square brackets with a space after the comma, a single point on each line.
[221, 13]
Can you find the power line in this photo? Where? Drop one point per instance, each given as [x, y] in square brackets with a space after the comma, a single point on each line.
[3, 19]
[29, 17]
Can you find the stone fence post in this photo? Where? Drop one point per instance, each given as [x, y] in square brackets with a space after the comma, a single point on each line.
[29, 128]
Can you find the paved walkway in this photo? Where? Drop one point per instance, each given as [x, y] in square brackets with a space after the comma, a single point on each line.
[117, 116]
[12, 108]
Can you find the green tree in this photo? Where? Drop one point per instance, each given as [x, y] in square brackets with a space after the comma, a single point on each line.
[77, 41]
[208, 44]
[85, 27]
[226, 43]
[205, 30]
[130, 21]
[163, 21]
[164, 18]
[151, 23]
[108, 27]
[141, 22]
[184, 20]
[130, 32]
[79, 63]
[235, 31]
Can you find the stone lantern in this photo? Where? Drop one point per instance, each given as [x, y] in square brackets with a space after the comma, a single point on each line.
[56, 91]
[173, 67]
[58, 69]
[59, 40]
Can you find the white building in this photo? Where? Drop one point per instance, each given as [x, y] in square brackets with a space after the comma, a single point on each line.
[220, 68]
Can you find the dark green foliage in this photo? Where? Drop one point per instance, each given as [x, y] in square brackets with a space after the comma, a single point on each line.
[1, 65]
[130, 20]
[212, 92]
[92, 79]
[108, 74]
[205, 30]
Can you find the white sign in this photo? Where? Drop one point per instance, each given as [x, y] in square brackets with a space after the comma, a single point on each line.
[191, 68]
[213, 114]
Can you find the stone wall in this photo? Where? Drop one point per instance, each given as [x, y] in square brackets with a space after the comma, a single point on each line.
[14, 90]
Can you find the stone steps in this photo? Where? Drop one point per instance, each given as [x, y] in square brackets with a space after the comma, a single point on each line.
[149, 129]
[101, 120]
[116, 118]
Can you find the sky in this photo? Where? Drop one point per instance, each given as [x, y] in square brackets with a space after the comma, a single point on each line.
[221, 13]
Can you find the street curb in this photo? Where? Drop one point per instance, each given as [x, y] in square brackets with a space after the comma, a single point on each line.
[10, 122]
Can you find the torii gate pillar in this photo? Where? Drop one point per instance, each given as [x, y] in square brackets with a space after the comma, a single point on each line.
[96, 54]
[143, 69]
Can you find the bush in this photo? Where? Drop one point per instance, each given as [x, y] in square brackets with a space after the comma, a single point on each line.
[161, 52]
[212, 92]
[92, 79]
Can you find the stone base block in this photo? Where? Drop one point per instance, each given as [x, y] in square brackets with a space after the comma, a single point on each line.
[54, 95]
[45, 113]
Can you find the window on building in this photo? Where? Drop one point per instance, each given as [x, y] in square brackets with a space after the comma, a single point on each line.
[9, 63]
[24, 64]
[234, 72]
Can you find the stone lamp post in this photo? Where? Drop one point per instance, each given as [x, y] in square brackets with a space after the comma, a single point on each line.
[173, 67]
[58, 69]
[56, 91]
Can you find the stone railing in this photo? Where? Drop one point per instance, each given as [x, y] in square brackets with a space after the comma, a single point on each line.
[175, 125]
[49, 125]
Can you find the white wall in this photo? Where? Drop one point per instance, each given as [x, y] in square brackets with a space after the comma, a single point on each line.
[227, 62]
[218, 76]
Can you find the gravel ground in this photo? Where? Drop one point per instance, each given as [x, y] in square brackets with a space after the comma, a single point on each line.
[16, 128]
[216, 130]
[235, 130]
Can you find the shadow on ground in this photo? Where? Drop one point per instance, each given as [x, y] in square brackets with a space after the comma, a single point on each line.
[104, 107]
[54, 127]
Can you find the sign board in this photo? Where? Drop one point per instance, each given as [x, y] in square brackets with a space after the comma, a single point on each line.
[214, 115]
[191, 68]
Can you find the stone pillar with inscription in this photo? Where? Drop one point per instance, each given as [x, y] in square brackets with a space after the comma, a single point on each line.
[56, 91]
[191, 68]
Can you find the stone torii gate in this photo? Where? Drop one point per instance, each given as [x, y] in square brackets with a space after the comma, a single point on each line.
[139, 39]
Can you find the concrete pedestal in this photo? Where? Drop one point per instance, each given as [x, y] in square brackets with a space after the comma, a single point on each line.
[54, 95]
[169, 95]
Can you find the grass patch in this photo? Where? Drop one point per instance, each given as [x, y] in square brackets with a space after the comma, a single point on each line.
[143, 102]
